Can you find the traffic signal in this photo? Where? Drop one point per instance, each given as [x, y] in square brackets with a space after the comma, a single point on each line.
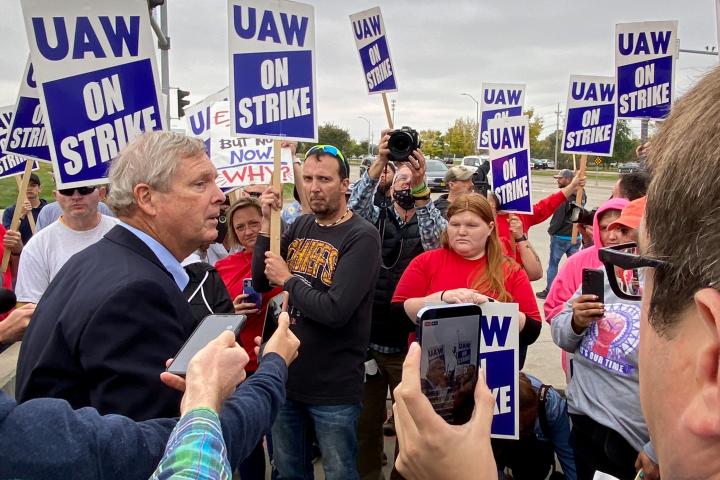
[182, 102]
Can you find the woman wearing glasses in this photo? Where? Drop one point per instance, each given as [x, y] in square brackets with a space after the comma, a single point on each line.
[609, 431]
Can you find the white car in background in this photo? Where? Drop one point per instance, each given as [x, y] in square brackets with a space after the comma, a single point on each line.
[472, 162]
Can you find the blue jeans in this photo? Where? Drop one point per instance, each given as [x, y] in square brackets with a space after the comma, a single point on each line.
[335, 427]
[558, 248]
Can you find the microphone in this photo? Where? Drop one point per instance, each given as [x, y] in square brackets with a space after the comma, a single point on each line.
[7, 300]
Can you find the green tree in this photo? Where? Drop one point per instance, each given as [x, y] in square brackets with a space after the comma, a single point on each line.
[461, 137]
[330, 134]
[625, 143]
[432, 143]
[536, 126]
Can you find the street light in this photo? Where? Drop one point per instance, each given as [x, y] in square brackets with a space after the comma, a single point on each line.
[477, 117]
[369, 132]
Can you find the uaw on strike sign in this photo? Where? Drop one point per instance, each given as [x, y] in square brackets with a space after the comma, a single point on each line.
[590, 119]
[94, 65]
[371, 40]
[27, 135]
[272, 69]
[645, 56]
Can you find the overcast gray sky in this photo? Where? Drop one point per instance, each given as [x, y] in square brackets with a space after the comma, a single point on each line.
[440, 49]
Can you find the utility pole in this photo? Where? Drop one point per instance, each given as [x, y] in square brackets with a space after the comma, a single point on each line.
[557, 133]
[392, 107]
[644, 131]
[164, 46]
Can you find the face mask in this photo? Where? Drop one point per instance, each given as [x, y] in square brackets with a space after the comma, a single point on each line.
[222, 228]
[404, 199]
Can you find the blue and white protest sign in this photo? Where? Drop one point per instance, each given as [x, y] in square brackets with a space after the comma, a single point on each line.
[197, 117]
[371, 40]
[243, 161]
[645, 54]
[499, 100]
[590, 119]
[95, 70]
[509, 142]
[272, 69]
[499, 345]
[28, 136]
[10, 165]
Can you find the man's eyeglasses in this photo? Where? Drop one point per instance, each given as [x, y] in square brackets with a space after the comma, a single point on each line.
[329, 149]
[623, 265]
[68, 192]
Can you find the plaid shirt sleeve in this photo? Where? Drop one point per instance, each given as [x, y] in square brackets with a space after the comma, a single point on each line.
[431, 224]
[361, 199]
[195, 450]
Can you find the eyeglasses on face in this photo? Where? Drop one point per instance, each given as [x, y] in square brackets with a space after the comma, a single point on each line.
[68, 192]
[624, 267]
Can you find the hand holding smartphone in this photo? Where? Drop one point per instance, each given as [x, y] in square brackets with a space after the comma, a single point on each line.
[253, 296]
[208, 329]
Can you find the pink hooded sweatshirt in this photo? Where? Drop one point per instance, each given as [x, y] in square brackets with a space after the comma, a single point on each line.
[569, 278]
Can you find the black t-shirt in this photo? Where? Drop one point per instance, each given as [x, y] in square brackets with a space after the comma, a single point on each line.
[25, 230]
[331, 295]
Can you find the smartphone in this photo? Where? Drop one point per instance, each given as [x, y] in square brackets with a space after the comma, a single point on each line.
[593, 283]
[275, 307]
[449, 337]
[253, 296]
[208, 329]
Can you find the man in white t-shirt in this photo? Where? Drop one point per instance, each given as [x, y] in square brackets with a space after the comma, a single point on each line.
[80, 226]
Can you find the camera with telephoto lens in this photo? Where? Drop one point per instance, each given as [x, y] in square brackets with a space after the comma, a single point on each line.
[402, 143]
[582, 216]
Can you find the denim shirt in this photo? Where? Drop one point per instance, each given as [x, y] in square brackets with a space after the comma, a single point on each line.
[558, 423]
[431, 223]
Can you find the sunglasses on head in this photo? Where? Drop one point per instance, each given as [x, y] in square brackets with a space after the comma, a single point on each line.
[331, 150]
[68, 192]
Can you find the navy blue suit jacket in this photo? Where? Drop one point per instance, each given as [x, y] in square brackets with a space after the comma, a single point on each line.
[103, 330]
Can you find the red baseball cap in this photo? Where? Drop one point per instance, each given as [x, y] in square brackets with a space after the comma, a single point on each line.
[631, 215]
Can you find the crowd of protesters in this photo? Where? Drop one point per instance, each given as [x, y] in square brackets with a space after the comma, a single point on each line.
[110, 299]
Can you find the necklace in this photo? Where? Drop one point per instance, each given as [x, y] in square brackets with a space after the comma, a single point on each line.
[328, 225]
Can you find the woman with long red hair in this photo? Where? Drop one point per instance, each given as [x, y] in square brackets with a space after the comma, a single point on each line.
[470, 267]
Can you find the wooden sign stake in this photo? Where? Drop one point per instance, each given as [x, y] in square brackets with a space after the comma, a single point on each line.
[579, 194]
[275, 214]
[387, 111]
[15, 224]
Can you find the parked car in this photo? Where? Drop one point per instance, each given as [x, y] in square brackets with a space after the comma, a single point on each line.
[536, 164]
[472, 162]
[449, 160]
[628, 167]
[435, 173]
[551, 163]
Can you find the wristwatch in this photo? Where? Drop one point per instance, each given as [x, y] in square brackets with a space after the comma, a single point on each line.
[521, 239]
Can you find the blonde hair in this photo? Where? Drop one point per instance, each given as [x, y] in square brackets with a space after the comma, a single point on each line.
[245, 202]
[491, 280]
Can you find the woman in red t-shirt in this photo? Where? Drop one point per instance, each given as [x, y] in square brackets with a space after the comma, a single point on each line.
[245, 218]
[470, 267]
